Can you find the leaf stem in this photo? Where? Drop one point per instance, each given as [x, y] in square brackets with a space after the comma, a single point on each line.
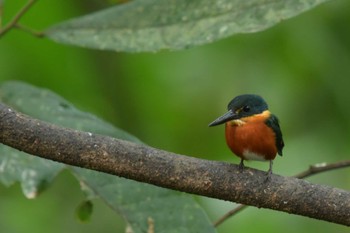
[16, 18]
[29, 30]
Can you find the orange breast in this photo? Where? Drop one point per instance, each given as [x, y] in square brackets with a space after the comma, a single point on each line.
[253, 136]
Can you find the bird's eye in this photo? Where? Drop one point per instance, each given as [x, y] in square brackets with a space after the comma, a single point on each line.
[246, 108]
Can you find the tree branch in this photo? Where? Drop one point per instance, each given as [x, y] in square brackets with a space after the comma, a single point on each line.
[313, 170]
[146, 164]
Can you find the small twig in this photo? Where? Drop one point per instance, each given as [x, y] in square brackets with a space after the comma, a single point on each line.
[313, 170]
[322, 167]
[229, 214]
[17, 17]
[1, 12]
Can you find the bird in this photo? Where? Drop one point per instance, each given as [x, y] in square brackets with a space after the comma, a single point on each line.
[252, 132]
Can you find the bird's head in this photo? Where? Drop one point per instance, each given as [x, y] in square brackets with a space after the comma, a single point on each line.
[242, 106]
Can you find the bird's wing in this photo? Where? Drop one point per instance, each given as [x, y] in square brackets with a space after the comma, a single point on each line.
[273, 123]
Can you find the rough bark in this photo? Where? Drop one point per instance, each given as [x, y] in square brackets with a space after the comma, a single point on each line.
[179, 172]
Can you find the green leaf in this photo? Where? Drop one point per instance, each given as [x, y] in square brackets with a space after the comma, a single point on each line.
[84, 211]
[170, 211]
[151, 25]
[33, 173]
[48, 106]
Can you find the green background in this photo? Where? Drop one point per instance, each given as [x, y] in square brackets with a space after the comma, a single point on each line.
[301, 67]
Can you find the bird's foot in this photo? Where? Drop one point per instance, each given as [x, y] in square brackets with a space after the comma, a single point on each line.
[269, 173]
[268, 176]
[241, 166]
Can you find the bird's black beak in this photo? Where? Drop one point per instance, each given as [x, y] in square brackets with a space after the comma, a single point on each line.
[224, 118]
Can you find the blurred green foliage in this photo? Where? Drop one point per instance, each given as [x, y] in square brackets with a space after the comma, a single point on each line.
[167, 99]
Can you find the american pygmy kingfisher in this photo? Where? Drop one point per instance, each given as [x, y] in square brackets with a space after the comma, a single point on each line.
[251, 131]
